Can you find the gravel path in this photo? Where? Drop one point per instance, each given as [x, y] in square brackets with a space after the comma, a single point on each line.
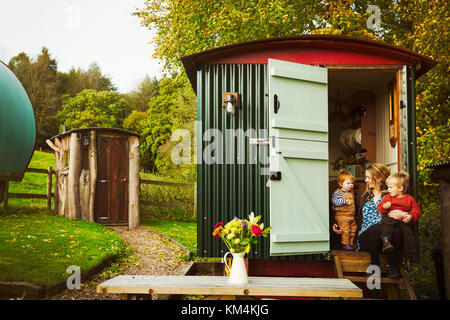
[153, 255]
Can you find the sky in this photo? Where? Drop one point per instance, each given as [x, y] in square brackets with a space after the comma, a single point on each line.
[80, 32]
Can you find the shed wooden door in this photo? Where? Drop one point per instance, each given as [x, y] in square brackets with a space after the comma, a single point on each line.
[298, 125]
[112, 180]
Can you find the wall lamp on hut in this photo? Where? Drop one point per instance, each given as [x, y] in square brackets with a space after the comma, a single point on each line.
[230, 102]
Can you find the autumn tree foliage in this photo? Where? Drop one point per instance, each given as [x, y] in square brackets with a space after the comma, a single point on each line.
[39, 78]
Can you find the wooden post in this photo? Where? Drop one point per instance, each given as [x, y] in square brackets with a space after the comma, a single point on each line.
[49, 188]
[4, 186]
[58, 165]
[93, 172]
[195, 199]
[441, 175]
[133, 185]
[74, 176]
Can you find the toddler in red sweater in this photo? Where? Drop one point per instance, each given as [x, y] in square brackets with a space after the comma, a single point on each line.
[399, 209]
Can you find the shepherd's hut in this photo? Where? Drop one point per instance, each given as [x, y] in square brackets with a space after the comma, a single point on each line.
[295, 106]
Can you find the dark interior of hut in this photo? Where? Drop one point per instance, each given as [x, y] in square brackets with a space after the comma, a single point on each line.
[361, 124]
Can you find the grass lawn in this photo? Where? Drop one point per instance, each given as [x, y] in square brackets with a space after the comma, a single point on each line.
[33, 182]
[181, 231]
[37, 247]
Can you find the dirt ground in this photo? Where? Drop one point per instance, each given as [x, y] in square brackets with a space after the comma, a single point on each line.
[153, 255]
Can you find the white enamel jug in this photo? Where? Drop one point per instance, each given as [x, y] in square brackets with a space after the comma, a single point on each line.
[238, 272]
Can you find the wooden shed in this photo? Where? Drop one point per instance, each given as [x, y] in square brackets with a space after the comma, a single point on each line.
[97, 175]
[296, 105]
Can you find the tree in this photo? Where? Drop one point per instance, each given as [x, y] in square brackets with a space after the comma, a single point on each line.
[39, 79]
[135, 121]
[171, 109]
[139, 99]
[76, 80]
[90, 108]
[186, 27]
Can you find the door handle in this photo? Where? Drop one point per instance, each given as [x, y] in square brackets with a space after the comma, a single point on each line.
[276, 104]
[275, 175]
[123, 179]
[103, 181]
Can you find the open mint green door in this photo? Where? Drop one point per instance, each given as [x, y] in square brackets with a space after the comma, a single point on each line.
[298, 127]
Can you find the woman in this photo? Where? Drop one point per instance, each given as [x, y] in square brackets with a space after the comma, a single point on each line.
[369, 234]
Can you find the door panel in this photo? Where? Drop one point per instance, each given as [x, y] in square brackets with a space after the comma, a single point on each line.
[299, 150]
[112, 181]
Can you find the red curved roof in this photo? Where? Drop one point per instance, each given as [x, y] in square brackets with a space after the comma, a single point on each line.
[308, 49]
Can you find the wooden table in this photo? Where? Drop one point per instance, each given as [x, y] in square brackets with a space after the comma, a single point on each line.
[130, 286]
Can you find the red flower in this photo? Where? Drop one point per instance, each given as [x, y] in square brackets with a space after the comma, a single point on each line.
[218, 224]
[256, 230]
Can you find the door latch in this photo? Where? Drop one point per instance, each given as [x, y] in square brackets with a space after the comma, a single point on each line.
[275, 175]
[259, 141]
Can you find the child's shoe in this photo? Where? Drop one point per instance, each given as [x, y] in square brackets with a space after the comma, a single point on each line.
[348, 247]
[393, 273]
[387, 246]
[407, 266]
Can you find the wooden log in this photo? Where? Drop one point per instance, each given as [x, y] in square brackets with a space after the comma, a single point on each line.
[49, 188]
[74, 176]
[85, 192]
[93, 173]
[37, 170]
[133, 185]
[58, 165]
[27, 196]
[63, 197]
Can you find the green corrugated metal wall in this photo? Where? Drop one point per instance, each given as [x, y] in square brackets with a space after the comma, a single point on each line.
[225, 190]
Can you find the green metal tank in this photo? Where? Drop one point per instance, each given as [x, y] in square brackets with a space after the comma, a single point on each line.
[17, 126]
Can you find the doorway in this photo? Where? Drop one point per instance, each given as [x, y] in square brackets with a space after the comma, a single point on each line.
[112, 180]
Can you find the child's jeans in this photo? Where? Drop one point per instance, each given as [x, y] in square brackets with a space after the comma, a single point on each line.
[347, 224]
[409, 245]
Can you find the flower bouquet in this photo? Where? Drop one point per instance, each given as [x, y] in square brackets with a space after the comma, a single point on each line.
[238, 235]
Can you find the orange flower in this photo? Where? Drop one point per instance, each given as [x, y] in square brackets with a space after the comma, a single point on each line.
[216, 233]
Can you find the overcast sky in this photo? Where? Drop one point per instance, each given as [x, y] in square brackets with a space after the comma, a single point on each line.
[79, 32]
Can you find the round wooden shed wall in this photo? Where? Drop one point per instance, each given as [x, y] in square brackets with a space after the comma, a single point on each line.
[97, 175]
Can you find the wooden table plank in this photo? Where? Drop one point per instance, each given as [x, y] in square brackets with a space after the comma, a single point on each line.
[217, 285]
